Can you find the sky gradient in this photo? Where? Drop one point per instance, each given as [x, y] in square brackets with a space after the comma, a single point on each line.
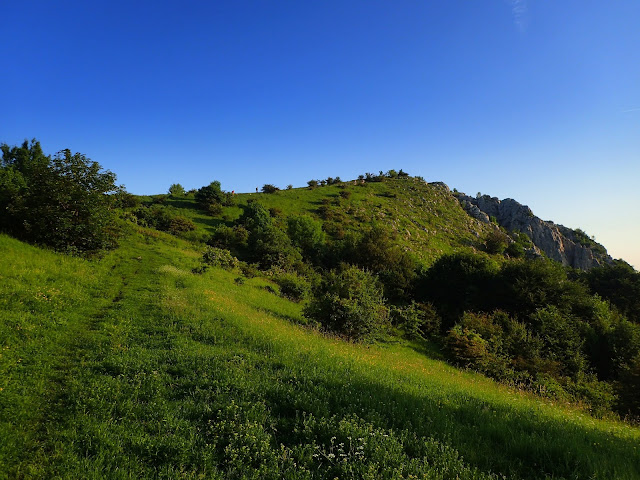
[537, 101]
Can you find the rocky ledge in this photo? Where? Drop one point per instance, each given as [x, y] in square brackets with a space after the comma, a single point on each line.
[570, 247]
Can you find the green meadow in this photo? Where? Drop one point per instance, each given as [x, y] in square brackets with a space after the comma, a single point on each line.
[132, 366]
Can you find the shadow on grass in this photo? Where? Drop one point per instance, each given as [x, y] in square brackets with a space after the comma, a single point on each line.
[492, 437]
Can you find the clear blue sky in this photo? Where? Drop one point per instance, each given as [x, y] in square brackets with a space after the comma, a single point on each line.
[530, 99]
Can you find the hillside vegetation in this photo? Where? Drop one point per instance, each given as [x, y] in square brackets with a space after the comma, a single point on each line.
[306, 333]
[133, 366]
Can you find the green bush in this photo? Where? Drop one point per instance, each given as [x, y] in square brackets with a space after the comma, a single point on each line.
[235, 237]
[417, 320]
[350, 303]
[293, 287]
[180, 224]
[218, 257]
[210, 197]
[496, 242]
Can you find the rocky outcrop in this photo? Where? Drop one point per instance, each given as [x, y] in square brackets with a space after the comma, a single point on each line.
[570, 247]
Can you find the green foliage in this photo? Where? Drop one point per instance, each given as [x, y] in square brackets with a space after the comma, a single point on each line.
[131, 367]
[269, 188]
[63, 202]
[163, 218]
[629, 388]
[416, 320]
[496, 242]
[293, 286]
[345, 194]
[350, 303]
[210, 197]
[307, 235]
[218, 257]
[233, 238]
[457, 283]
[376, 249]
[176, 190]
[620, 284]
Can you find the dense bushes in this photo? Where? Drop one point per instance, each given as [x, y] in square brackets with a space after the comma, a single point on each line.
[545, 329]
[62, 201]
[163, 218]
[350, 302]
[620, 284]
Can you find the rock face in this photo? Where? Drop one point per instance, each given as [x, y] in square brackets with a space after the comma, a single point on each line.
[570, 247]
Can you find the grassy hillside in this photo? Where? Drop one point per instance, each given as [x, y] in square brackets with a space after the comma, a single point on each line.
[427, 218]
[131, 366]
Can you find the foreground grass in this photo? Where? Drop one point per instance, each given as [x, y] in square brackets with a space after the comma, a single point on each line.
[133, 367]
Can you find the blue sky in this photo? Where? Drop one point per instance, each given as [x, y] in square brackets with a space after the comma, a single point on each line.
[529, 99]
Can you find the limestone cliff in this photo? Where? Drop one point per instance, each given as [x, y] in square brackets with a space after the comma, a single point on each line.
[570, 247]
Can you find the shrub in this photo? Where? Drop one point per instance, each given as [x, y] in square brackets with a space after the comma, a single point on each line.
[213, 209]
[179, 224]
[312, 183]
[293, 287]
[417, 320]
[209, 195]
[269, 188]
[468, 348]
[229, 237]
[456, 283]
[346, 194]
[629, 388]
[350, 303]
[126, 200]
[219, 257]
[496, 242]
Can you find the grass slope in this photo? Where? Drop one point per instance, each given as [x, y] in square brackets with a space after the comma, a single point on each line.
[427, 218]
[133, 367]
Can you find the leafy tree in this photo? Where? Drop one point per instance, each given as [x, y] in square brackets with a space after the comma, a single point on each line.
[620, 284]
[210, 195]
[312, 183]
[63, 202]
[269, 188]
[176, 190]
[307, 235]
[350, 303]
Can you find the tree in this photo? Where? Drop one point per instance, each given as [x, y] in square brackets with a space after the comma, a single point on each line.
[209, 195]
[307, 235]
[269, 188]
[65, 202]
[176, 190]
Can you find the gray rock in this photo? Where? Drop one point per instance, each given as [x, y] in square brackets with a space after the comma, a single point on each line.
[555, 241]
